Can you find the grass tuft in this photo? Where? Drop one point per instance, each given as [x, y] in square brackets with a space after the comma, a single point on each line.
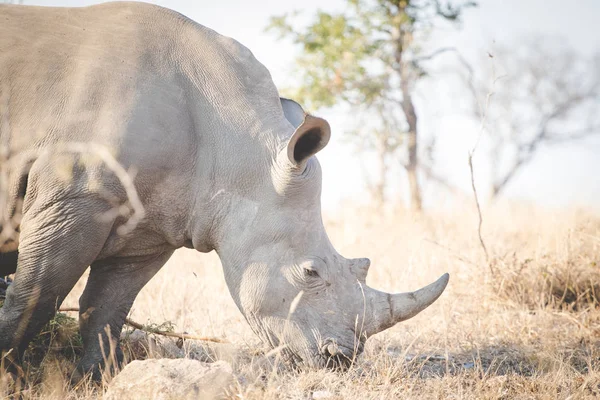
[530, 329]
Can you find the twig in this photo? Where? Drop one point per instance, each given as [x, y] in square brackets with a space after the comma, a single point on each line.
[125, 177]
[484, 113]
[141, 327]
[480, 223]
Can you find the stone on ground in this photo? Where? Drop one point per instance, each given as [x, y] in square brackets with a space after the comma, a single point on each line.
[166, 379]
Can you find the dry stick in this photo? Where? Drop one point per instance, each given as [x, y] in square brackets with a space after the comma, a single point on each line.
[125, 178]
[141, 327]
[484, 113]
[94, 149]
[480, 223]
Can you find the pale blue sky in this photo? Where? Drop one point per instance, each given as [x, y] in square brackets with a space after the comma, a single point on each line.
[558, 176]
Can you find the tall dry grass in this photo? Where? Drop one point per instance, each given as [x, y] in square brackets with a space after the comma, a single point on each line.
[530, 329]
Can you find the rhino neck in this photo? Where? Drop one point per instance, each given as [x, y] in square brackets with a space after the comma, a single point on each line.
[233, 176]
[239, 127]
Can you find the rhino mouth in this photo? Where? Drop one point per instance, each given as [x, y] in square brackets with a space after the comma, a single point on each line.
[332, 355]
[328, 356]
[318, 353]
[340, 360]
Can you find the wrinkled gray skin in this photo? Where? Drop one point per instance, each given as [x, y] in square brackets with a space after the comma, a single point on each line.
[222, 164]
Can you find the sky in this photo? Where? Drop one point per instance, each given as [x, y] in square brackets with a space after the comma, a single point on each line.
[558, 176]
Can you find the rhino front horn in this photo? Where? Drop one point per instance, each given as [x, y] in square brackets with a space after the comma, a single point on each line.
[406, 305]
[402, 306]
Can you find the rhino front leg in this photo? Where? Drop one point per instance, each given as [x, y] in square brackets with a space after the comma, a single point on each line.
[110, 291]
[58, 241]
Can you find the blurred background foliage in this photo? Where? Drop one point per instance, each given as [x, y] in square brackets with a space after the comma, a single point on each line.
[371, 56]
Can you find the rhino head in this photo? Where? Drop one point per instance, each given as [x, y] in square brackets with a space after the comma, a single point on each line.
[297, 293]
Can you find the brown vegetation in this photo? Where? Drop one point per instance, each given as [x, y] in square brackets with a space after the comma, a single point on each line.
[529, 330]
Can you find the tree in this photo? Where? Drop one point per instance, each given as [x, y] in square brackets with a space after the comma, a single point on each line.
[545, 94]
[370, 57]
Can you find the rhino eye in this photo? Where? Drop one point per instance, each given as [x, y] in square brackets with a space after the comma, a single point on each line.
[310, 272]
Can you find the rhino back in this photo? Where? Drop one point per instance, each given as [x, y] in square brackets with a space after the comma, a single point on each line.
[105, 72]
[176, 100]
[82, 74]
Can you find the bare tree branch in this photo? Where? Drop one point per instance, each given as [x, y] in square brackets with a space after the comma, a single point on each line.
[544, 93]
[574, 135]
[527, 150]
[432, 55]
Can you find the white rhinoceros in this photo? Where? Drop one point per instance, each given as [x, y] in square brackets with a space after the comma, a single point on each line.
[222, 164]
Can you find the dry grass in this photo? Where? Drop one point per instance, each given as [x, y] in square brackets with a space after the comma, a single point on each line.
[532, 330]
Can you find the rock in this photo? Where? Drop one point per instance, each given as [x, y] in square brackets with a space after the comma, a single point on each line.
[322, 394]
[166, 379]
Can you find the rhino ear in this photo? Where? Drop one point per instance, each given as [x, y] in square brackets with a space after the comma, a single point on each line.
[293, 111]
[311, 135]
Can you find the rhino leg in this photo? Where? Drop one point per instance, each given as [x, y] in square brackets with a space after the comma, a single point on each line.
[111, 288]
[58, 241]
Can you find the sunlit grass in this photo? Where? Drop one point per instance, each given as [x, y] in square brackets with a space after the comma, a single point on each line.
[530, 330]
